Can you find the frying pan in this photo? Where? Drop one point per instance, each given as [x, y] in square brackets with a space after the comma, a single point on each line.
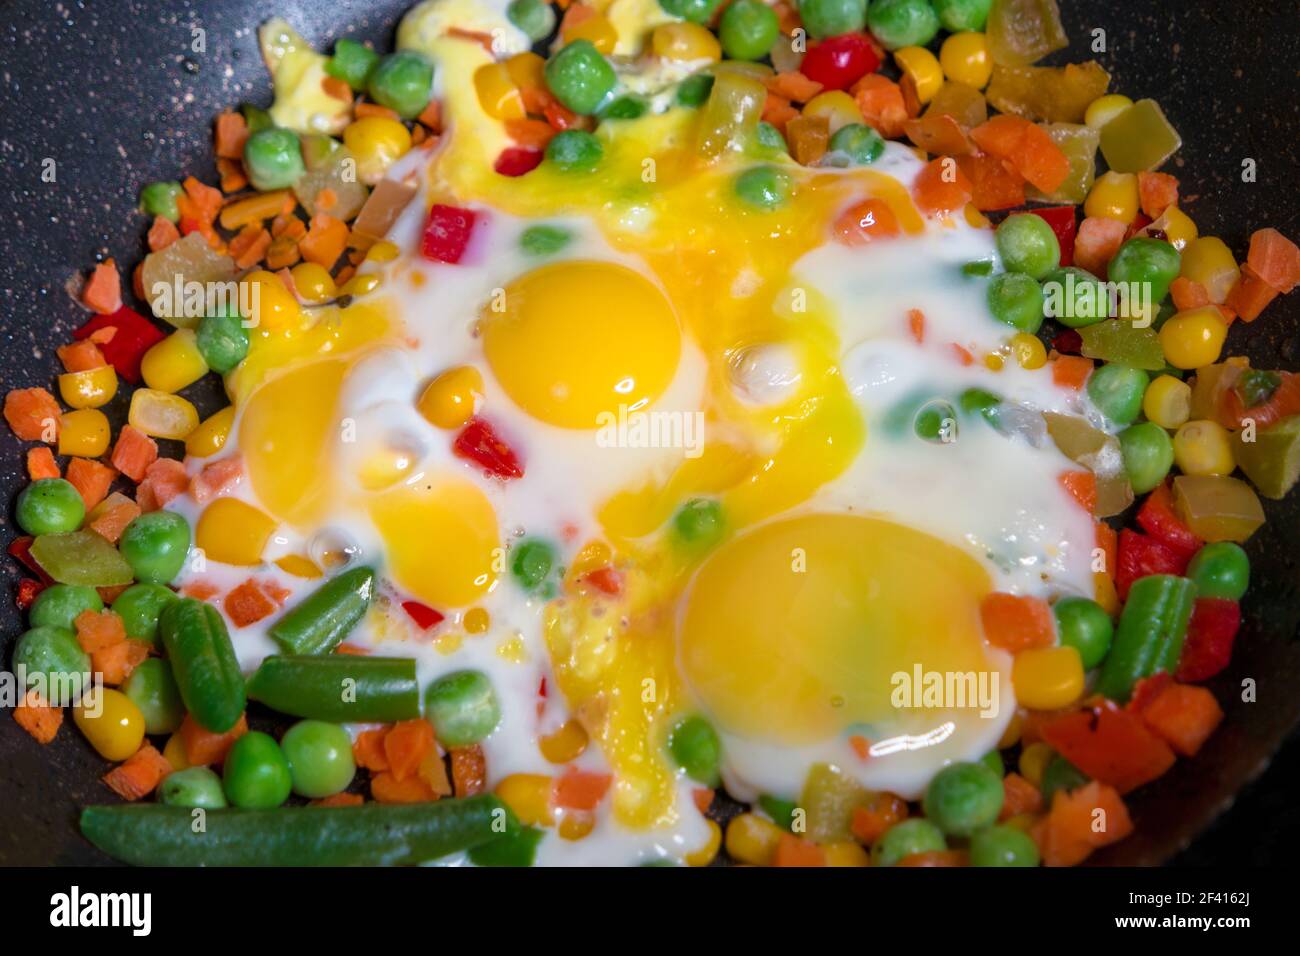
[111, 95]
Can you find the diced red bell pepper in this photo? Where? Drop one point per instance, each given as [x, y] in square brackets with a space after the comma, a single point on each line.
[424, 616]
[1146, 690]
[133, 335]
[1062, 221]
[1068, 342]
[1141, 555]
[1137, 225]
[517, 160]
[1210, 635]
[1109, 744]
[20, 549]
[605, 579]
[28, 588]
[447, 233]
[839, 62]
[478, 442]
[1158, 519]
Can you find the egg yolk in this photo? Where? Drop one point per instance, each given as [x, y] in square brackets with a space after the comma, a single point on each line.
[794, 631]
[574, 341]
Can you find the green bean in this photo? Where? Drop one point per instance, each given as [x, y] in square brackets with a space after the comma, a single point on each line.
[1150, 635]
[338, 687]
[203, 662]
[326, 616]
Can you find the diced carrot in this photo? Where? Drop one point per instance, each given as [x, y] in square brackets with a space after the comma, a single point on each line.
[217, 478]
[364, 109]
[134, 453]
[1026, 147]
[808, 137]
[91, 478]
[336, 89]
[1019, 796]
[200, 590]
[116, 662]
[274, 591]
[162, 234]
[33, 414]
[864, 222]
[255, 209]
[282, 253]
[233, 177]
[249, 246]
[1156, 193]
[1096, 243]
[140, 775]
[207, 200]
[1188, 294]
[431, 116]
[916, 325]
[941, 188]
[1071, 371]
[703, 797]
[386, 788]
[247, 604]
[943, 858]
[911, 95]
[346, 648]
[368, 750]
[41, 463]
[1015, 622]
[962, 354]
[102, 336]
[229, 135]
[1081, 486]
[870, 821]
[81, 356]
[114, 520]
[468, 770]
[343, 799]
[325, 240]
[881, 101]
[165, 479]
[530, 133]
[38, 718]
[97, 630]
[405, 746]
[794, 86]
[861, 746]
[778, 111]
[1000, 136]
[1081, 821]
[1250, 295]
[1275, 259]
[103, 291]
[203, 747]
[433, 771]
[580, 789]
[1184, 716]
[796, 851]
[994, 184]
[1108, 541]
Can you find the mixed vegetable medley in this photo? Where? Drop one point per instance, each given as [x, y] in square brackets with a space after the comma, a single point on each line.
[1110, 688]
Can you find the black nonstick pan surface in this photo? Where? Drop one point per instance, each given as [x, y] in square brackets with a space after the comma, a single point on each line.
[112, 94]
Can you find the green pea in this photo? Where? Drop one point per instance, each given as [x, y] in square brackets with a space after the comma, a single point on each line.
[50, 505]
[697, 11]
[623, 108]
[544, 240]
[699, 522]
[580, 77]
[403, 82]
[963, 798]
[695, 89]
[159, 199]
[830, 18]
[462, 707]
[59, 604]
[977, 267]
[781, 811]
[1148, 455]
[935, 421]
[770, 138]
[153, 689]
[192, 787]
[534, 17]
[256, 775]
[139, 607]
[1016, 300]
[222, 340]
[1060, 774]
[977, 401]
[905, 839]
[574, 150]
[1003, 846]
[256, 118]
[1117, 391]
[531, 562]
[993, 760]
[273, 159]
[747, 30]
[1075, 297]
[854, 144]
[694, 746]
[1084, 625]
[1152, 262]
[352, 63]
[155, 545]
[51, 661]
[1027, 244]
[899, 23]
[320, 758]
[763, 187]
[1220, 570]
[959, 15]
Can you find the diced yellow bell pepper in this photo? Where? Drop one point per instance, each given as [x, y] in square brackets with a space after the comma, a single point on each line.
[1177, 227]
[84, 433]
[233, 532]
[1047, 678]
[1139, 138]
[210, 437]
[838, 107]
[1217, 507]
[599, 31]
[565, 744]
[527, 70]
[162, 415]
[298, 565]
[685, 43]
[174, 363]
[91, 388]
[1209, 261]
[497, 93]
[924, 69]
[1105, 108]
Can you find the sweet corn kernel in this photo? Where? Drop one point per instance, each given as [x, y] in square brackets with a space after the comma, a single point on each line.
[376, 142]
[477, 620]
[1104, 593]
[298, 565]
[924, 69]
[1204, 447]
[173, 363]
[839, 108]
[705, 854]
[1011, 736]
[1177, 227]
[1047, 678]
[847, 853]
[600, 32]
[451, 399]
[90, 388]
[685, 42]
[1033, 761]
[84, 433]
[994, 362]
[162, 415]
[1028, 350]
[527, 70]
[383, 251]
[174, 753]
[1209, 261]
[1114, 196]
[528, 795]
[360, 284]
[210, 437]
[567, 743]
[233, 532]
[575, 825]
[271, 305]
[497, 93]
[752, 839]
[1105, 108]
[1194, 339]
[111, 722]
[965, 58]
[1167, 401]
[313, 281]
